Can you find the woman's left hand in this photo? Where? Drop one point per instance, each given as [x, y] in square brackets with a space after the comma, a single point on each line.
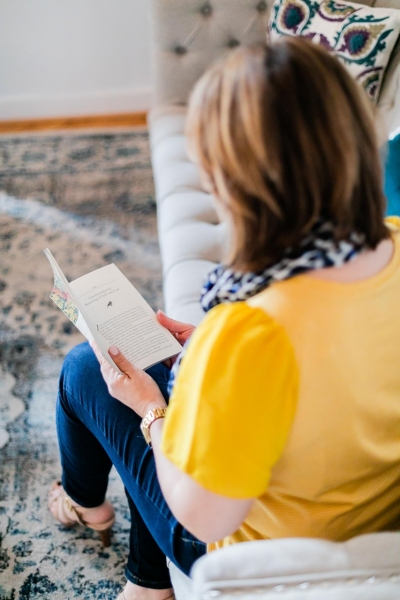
[207, 515]
[133, 386]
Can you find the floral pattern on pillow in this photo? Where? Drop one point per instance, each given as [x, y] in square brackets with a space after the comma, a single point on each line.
[361, 37]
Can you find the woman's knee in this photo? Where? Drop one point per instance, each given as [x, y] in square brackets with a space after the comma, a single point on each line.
[80, 369]
[81, 376]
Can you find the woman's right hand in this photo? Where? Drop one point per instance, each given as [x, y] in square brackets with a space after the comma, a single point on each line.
[181, 331]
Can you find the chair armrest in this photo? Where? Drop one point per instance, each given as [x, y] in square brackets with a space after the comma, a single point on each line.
[366, 567]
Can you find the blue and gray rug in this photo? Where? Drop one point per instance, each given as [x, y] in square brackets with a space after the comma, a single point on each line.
[90, 199]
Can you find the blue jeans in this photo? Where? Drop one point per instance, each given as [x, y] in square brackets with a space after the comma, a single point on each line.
[96, 431]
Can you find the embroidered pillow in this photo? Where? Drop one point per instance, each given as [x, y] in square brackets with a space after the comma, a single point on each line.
[362, 37]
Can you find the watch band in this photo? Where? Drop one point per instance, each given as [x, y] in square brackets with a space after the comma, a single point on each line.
[148, 419]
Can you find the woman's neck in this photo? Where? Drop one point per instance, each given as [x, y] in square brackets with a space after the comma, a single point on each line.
[365, 265]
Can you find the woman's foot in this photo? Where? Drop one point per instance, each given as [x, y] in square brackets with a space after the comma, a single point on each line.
[136, 592]
[69, 513]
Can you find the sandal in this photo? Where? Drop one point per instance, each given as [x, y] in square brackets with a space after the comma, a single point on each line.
[61, 507]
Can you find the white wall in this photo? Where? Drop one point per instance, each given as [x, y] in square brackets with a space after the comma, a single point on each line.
[73, 57]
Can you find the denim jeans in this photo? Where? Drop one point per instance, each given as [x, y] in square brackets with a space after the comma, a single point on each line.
[96, 431]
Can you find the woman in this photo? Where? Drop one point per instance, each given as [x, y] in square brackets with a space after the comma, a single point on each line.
[285, 413]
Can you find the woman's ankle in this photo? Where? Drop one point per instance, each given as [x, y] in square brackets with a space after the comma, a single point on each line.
[135, 592]
[95, 515]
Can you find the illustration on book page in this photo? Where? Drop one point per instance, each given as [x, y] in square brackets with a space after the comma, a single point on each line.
[63, 298]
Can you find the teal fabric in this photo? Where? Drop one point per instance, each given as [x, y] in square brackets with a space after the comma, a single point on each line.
[392, 176]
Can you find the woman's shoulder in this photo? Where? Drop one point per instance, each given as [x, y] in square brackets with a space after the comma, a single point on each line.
[237, 325]
[237, 316]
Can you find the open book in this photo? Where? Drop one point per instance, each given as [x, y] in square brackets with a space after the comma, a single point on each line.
[105, 306]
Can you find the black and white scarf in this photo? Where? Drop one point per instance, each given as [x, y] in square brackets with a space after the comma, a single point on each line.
[317, 250]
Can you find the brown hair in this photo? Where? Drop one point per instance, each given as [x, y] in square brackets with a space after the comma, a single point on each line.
[285, 136]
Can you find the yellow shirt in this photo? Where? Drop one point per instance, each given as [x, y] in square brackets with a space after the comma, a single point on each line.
[293, 398]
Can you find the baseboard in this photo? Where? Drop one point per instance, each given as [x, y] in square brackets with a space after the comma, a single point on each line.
[136, 119]
[38, 107]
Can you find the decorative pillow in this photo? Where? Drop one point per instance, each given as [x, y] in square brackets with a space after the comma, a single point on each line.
[360, 36]
[392, 174]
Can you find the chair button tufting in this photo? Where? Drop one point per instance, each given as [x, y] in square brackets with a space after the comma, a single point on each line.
[180, 50]
[261, 6]
[206, 9]
[233, 43]
[304, 585]
[279, 588]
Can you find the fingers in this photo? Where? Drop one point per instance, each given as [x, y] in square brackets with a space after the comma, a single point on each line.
[172, 325]
[119, 359]
[170, 361]
[122, 363]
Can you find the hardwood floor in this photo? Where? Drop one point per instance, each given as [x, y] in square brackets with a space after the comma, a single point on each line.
[137, 119]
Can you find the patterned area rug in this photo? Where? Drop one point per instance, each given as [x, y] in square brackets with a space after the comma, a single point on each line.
[90, 199]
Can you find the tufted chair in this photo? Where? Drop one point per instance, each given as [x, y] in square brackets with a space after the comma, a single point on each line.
[188, 35]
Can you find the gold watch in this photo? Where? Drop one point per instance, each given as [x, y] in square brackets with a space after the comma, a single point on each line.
[148, 419]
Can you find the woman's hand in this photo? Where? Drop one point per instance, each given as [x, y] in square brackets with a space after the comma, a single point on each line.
[133, 386]
[207, 515]
[181, 331]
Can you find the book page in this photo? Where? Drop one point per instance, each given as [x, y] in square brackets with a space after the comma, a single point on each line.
[118, 315]
[62, 296]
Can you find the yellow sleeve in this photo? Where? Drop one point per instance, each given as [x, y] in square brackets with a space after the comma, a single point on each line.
[233, 401]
